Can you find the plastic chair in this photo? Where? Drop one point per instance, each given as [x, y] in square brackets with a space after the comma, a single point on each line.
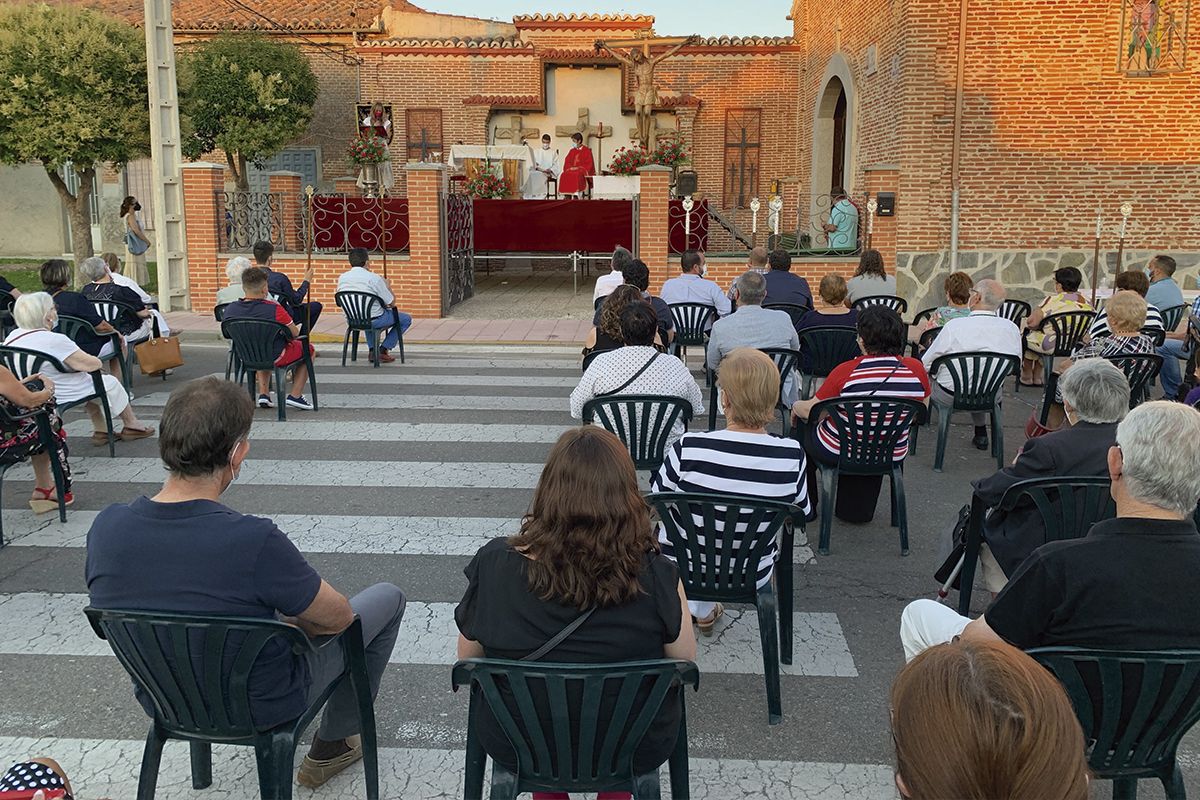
[692, 323]
[1140, 369]
[922, 344]
[357, 306]
[7, 323]
[1172, 316]
[598, 716]
[590, 357]
[794, 310]
[232, 365]
[824, 348]
[718, 541]
[1015, 310]
[868, 431]
[111, 311]
[1156, 335]
[978, 379]
[1134, 707]
[24, 363]
[1068, 329]
[923, 315]
[196, 670]
[897, 304]
[48, 440]
[1069, 506]
[254, 342]
[643, 422]
[72, 327]
[786, 361]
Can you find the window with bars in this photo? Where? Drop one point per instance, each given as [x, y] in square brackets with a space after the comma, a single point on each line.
[422, 132]
[743, 141]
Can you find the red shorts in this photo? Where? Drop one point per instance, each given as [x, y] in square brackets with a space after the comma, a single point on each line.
[291, 352]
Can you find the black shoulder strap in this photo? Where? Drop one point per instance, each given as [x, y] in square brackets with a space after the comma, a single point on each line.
[560, 637]
[633, 378]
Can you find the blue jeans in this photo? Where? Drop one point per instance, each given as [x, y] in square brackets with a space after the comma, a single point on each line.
[387, 320]
[1171, 376]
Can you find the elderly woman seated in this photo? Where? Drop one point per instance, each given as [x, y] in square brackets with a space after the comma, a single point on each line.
[56, 276]
[36, 316]
[741, 460]
[20, 440]
[1096, 398]
[134, 321]
[233, 271]
[638, 367]
[119, 278]
[1066, 298]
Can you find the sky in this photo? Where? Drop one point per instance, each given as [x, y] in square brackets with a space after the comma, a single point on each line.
[672, 17]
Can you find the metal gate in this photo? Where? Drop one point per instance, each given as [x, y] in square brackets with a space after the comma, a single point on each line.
[458, 250]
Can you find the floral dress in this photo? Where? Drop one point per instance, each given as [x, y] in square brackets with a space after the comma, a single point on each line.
[1056, 304]
[19, 438]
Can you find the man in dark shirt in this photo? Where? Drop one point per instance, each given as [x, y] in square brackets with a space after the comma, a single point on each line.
[782, 285]
[1130, 584]
[303, 313]
[183, 551]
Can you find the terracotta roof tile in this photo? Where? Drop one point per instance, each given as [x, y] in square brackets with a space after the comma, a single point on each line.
[636, 18]
[307, 15]
[504, 101]
[743, 41]
[576, 55]
[475, 43]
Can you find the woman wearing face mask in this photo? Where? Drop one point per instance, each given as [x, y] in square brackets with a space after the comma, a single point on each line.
[545, 166]
[36, 317]
[136, 241]
[379, 123]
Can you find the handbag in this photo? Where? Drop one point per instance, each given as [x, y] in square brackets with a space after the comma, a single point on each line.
[559, 637]
[136, 246]
[158, 353]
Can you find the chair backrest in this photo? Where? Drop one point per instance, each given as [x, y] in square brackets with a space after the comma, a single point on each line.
[72, 327]
[111, 310]
[1172, 315]
[897, 304]
[1016, 310]
[1156, 335]
[978, 377]
[574, 727]
[599, 301]
[1133, 706]
[928, 336]
[1140, 369]
[358, 308]
[794, 310]
[692, 321]
[869, 429]
[719, 539]
[644, 422]
[924, 314]
[786, 361]
[1068, 329]
[194, 669]
[219, 311]
[1069, 505]
[7, 301]
[590, 357]
[826, 346]
[255, 340]
[23, 362]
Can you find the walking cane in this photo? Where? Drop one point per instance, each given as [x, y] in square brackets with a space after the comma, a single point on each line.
[945, 590]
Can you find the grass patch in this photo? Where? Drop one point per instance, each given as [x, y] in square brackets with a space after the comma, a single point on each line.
[23, 274]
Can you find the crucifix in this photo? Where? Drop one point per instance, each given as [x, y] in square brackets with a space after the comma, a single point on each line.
[641, 62]
[743, 171]
[587, 131]
[516, 132]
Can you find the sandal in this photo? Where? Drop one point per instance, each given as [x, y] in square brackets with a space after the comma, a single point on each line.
[101, 439]
[706, 625]
[130, 434]
[45, 500]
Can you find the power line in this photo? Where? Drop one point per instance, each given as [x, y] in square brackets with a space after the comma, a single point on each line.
[336, 53]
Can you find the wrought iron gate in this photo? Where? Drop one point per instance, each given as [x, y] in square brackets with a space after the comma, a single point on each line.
[458, 250]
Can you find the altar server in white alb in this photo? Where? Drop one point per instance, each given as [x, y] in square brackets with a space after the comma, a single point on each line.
[546, 164]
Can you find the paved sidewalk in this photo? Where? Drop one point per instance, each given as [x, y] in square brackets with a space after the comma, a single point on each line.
[331, 327]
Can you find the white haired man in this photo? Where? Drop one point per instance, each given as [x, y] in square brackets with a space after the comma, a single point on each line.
[1130, 584]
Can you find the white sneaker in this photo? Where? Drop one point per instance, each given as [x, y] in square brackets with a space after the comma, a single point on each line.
[299, 402]
[265, 401]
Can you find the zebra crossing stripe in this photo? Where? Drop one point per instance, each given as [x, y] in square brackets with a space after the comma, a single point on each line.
[309, 429]
[399, 401]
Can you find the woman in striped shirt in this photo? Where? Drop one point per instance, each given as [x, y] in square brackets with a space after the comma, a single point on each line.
[741, 460]
[883, 372]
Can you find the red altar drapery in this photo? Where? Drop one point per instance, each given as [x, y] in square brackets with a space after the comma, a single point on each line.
[341, 222]
[563, 226]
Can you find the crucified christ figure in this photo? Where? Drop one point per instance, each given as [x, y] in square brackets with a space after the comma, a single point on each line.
[642, 63]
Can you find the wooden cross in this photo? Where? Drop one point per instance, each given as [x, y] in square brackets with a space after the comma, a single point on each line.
[517, 132]
[656, 133]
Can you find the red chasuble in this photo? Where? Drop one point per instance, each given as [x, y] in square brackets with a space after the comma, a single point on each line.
[576, 169]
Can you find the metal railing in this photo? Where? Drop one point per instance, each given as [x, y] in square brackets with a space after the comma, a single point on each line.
[249, 217]
[687, 230]
[335, 222]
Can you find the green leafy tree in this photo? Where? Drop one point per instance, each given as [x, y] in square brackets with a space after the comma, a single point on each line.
[72, 90]
[245, 95]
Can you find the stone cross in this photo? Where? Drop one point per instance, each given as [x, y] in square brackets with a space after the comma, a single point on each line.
[517, 132]
[583, 128]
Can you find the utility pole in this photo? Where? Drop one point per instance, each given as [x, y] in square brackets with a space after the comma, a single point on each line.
[170, 245]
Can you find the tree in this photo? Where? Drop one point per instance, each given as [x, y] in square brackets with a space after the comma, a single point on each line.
[245, 95]
[72, 90]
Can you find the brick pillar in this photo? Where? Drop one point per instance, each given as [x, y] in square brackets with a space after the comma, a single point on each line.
[287, 186]
[204, 214]
[652, 244]
[884, 178]
[347, 185]
[419, 282]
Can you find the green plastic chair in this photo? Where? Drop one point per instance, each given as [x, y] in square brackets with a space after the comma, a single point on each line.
[594, 354]
[1069, 507]
[23, 363]
[1140, 370]
[1172, 316]
[357, 306]
[823, 348]
[897, 304]
[598, 716]
[254, 343]
[1134, 707]
[692, 324]
[868, 429]
[717, 566]
[72, 327]
[978, 379]
[1016, 311]
[8, 422]
[1068, 329]
[923, 315]
[643, 422]
[794, 310]
[196, 670]
[111, 311]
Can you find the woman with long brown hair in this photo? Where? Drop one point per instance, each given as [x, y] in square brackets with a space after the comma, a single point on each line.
[870, 279]
[585, 548]
[607, 334]
[984, 720]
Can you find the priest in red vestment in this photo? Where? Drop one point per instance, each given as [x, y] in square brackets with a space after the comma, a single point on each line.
[577, 168]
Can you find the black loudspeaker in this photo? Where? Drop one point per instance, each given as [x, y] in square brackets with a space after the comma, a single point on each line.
[687, 183]
[887, 204]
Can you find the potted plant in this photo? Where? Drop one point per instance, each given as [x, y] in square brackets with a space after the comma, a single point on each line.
[367, 153]
[628, 160]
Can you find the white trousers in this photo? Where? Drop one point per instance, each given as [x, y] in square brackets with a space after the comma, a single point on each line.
[926, 623]
[700, 608]
[118, 399]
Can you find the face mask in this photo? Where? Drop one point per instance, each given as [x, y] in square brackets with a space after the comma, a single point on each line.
[137, 206]
[234, 473]
[703, 270]
[545, 145]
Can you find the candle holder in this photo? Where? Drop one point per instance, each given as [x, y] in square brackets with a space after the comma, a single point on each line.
[755, 205]
[872, 207]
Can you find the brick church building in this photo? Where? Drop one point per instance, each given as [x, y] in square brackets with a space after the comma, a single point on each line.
[1001, 127]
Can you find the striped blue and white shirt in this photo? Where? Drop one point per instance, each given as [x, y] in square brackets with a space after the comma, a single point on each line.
[881, 376]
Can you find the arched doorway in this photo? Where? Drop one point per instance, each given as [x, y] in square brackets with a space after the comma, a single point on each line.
[837, 164]
[831, 138]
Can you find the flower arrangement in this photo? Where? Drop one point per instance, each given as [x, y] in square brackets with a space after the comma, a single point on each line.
[669, 153]
[627, 161]
[367, 150]
[488, 187]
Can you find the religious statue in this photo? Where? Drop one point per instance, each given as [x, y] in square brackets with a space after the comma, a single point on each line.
[545, 166]
[642, 63]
